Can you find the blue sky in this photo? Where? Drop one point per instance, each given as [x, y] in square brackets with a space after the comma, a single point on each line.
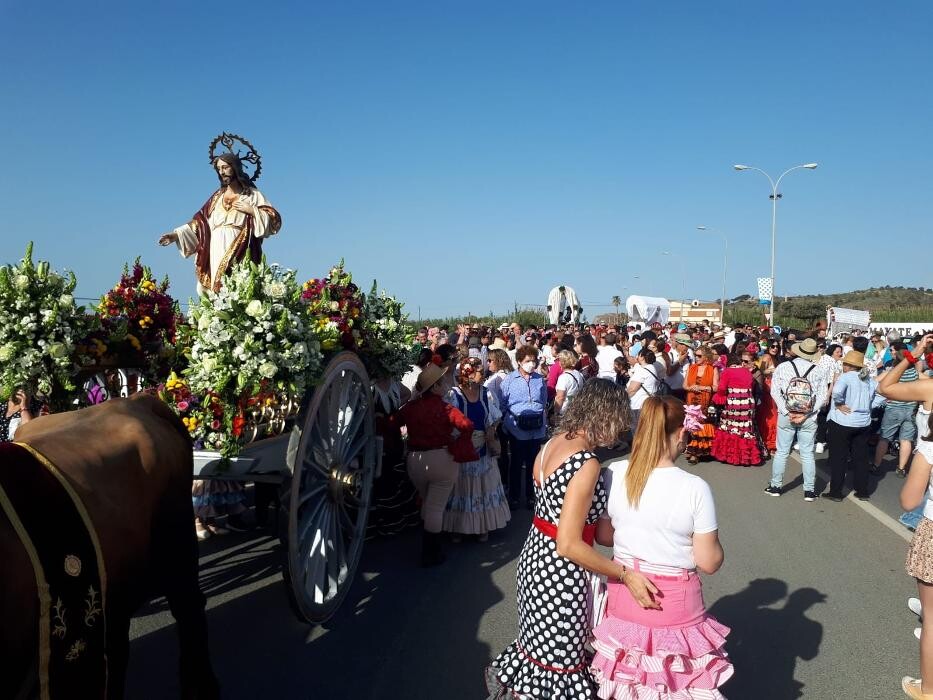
[474, 154]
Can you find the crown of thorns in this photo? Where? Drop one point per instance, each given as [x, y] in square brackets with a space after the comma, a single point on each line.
[228, 142]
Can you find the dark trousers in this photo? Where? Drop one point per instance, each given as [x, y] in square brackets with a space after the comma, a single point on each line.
[822, 424]
[522, 455]
[503, 458]
[845, 441]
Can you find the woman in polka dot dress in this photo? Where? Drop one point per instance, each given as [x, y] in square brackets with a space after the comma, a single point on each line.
[548, 660]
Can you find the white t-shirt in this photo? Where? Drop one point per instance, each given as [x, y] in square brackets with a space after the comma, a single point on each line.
[648, 376]
[605, 358]
[676, 380]
[570, 381]
[674, 505]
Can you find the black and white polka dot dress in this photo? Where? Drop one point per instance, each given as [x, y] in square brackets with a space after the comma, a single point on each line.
[548, 658]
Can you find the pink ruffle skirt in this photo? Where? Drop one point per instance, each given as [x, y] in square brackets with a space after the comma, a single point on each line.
[676, 653]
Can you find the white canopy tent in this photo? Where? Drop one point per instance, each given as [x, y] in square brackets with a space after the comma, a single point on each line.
[563, 306]
[648, 309]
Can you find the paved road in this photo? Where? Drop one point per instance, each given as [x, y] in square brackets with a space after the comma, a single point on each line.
[814, 593]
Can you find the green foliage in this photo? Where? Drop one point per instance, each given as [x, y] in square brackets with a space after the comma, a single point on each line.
[905, 304]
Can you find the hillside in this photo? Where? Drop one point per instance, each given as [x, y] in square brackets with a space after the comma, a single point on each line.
[887, 303]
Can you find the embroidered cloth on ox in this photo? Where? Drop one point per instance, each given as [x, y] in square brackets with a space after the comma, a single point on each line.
[69, 573]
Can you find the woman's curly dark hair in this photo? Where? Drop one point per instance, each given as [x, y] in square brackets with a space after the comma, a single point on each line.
[599, 411]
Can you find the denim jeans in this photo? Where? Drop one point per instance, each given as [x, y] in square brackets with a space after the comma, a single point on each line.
[804, 434]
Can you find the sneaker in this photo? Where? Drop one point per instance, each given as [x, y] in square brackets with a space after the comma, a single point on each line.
[809, 496]
[863, 496]
[917, 631]
[773, 490]
[837, 497]
[820, 446]
[797, 446]
[913, 604]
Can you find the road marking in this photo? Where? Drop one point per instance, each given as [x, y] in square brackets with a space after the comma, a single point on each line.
[873, 510]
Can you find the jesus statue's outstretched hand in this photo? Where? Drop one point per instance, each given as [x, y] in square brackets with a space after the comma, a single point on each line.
[168, 238]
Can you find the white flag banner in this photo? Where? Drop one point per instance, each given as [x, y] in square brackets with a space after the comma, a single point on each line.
[765, 290]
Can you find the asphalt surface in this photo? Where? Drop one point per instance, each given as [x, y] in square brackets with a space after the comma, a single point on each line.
[814, 593]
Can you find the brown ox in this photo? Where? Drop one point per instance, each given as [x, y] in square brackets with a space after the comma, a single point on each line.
[130, 462]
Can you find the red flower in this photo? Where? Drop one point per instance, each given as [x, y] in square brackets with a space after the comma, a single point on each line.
[238, 423]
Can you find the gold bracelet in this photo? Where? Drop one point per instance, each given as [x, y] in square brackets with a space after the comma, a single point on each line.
[622, 575]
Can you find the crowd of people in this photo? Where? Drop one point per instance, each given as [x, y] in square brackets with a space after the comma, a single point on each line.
[583, 426]
[545, 414]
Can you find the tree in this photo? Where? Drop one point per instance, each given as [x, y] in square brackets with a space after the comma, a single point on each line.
[616, 302]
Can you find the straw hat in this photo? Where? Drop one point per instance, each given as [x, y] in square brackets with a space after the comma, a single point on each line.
[683, 339]
[807, 349]
[854, 358]
[430, 376]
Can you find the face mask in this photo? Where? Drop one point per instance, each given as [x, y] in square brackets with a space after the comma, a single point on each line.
[529, 367]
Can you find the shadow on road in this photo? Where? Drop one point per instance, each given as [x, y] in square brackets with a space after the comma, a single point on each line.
[766, 642]
[402, 632]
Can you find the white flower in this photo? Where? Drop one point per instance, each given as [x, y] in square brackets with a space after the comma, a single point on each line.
[204, 322]
[334, 306]
[254, 308]
[267, 370]
[66, 300]
[21, 282]
[276, 289]
[208, 363]
[6, 352]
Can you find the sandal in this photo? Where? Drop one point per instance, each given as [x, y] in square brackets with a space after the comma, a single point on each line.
[913, 689]
[900, 473]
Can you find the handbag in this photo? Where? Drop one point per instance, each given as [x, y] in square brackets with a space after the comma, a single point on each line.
[597, 598]
[529, 420]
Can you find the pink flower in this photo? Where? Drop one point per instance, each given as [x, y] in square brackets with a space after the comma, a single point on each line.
[215, 424]
[182, 405]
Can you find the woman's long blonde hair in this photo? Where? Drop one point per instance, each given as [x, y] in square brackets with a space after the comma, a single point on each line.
[660, 418]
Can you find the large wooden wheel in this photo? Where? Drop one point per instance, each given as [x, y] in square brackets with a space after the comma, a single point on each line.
[331, 487]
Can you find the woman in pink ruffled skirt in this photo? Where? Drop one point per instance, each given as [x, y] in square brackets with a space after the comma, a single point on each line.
[660, 521]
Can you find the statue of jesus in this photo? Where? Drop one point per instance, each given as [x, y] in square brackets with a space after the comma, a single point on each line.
[232, 223]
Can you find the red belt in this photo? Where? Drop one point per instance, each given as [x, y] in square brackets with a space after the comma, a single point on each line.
[549, 529]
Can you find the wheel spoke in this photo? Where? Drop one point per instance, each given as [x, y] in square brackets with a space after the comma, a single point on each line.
[353, 431]
[318, 488]
[309, 520]
[338, 559]
[350, 413]
[314, 559]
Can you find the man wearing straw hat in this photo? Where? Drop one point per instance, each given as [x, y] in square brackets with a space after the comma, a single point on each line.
[799, 388]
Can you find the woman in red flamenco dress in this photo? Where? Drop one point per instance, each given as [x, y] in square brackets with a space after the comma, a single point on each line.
[736, 440]
[767, 415]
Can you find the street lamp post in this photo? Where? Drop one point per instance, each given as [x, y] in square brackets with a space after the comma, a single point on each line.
[683, 280]
[725, 257]
[774, 198]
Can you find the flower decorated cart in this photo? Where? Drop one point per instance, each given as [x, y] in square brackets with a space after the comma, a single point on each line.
[273, 379]
[279, 389]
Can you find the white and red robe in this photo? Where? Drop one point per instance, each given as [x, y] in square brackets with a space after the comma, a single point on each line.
[219, 236]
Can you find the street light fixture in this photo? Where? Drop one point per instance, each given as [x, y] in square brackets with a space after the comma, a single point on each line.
[725, 256]
[775, 196]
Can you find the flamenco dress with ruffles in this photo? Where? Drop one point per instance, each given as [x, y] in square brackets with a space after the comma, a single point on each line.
[767, 416]
[701, 442]
[736, 440]
[549, 658]
[676, 653]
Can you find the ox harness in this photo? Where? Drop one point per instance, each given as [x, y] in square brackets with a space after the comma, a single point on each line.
[54, 528]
